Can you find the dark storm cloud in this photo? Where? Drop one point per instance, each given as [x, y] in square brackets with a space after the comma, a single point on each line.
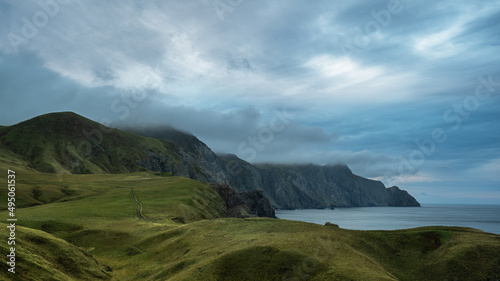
[107, 105]
[363, 81]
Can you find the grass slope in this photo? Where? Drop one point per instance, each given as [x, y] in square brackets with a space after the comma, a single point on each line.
[41, 256]
[183, 235]
[66, 142]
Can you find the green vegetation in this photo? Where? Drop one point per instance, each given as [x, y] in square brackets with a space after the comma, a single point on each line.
[41, 256]
[68, 143]
[185, 236]
[115, 222]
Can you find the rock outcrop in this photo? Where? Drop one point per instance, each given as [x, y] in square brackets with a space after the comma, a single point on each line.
[258, 204]
[246, 204]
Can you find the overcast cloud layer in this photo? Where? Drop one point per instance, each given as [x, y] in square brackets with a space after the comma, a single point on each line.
[407, 92]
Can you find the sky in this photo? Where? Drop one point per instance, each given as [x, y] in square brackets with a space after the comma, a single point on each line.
[406, 92]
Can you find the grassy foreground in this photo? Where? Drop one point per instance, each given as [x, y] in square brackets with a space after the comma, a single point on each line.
[143, 226]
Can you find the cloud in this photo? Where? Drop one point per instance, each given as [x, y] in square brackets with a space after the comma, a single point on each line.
[439, 45]
[449, 41]
[342, 68]
[416, 178]
[176, 62]
[477, 195]
[487, 171]
[241, 64]
[341, 79]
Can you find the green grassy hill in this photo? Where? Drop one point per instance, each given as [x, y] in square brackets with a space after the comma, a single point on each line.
[181, 233]
[66, 142]
[112, 221]
[42, 256]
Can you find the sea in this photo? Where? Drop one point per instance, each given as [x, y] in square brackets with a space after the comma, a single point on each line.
[482, 217]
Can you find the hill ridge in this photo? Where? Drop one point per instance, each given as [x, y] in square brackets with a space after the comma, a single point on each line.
[65, 142]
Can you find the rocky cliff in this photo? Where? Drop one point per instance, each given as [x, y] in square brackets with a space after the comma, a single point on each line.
[286, 186]
[194, 158]
[314, 186]
[66, 142]
[245, 204]
[258, 204]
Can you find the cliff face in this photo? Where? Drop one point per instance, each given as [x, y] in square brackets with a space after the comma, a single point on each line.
[286, 186]
[398, 197]
[313, 186]
[245, 204]
[277, 188]
[189, 157]
[67, 142]
[258, 204]
[235, 206]
[336, 185]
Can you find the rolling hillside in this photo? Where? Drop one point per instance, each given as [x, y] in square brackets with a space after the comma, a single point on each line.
[68, 143]
[182, 234]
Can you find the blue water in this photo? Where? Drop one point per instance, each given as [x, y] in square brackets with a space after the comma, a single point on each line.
[483, 217]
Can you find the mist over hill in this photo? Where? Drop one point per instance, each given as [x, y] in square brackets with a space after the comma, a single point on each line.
[69, 143]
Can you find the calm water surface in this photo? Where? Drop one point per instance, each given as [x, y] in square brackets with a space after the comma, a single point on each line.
[483, 217]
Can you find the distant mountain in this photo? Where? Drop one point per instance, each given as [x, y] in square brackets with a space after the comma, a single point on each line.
[67, 142]
[314, 186]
